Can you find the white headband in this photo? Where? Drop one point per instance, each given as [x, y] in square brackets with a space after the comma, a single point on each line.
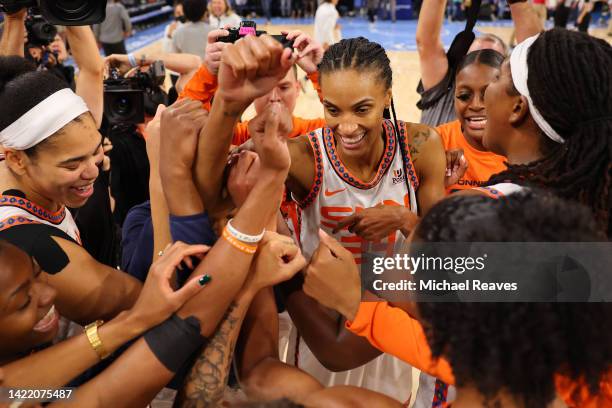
[518, 66]
[43, 120]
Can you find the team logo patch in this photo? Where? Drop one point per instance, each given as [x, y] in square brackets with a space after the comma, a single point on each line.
[398, 176]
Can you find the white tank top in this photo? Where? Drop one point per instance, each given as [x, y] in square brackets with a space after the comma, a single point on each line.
[18, 211]
[336, 193]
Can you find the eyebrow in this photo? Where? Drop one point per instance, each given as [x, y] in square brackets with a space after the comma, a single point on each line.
[80, 158]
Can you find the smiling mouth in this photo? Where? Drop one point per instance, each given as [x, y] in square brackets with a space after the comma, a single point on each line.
[48, 322]
[352, 142]
[84, 191]
[476, 122]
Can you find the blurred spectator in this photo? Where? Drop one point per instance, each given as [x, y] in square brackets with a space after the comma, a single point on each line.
[111, 33]
[326, 23]
[191, 37]
[285, 8]
[222, 15]
[179, 20]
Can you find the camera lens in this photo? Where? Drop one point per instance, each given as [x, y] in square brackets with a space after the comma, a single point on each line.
[72, 10]
[123, 106]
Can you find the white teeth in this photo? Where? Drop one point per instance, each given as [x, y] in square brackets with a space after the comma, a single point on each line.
[47, 318]
[354, 140]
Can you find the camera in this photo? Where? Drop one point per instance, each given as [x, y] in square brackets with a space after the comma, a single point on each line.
[62, 12]
[124, 98]
[40, 33]
[250, 28]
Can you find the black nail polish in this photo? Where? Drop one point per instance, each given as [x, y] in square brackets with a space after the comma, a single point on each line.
[204, 280]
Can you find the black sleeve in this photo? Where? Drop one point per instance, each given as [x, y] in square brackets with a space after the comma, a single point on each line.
[36, 240]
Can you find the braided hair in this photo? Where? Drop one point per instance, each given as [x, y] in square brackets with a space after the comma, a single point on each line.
[570, 82]
[363, 55]
[511, 347]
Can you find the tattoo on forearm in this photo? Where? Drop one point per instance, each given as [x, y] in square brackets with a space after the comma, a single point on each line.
[420, 137]
[205, 384]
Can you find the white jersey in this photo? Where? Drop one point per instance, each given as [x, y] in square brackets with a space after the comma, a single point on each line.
[18, 211]
[336, 193]
[500, 190]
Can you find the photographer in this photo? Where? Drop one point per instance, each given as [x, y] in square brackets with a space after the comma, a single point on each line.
[88, 83]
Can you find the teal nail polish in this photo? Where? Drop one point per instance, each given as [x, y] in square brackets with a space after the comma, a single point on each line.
[204, 280]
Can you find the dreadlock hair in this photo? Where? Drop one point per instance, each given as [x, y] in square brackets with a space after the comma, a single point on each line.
[570, 82]
[510, 347]
[363, 55]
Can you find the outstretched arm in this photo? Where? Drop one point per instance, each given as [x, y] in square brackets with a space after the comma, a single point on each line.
[89, 84]
[434, 64]
[13, 33]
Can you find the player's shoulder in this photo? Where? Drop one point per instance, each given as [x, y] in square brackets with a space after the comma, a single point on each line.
[419, 134]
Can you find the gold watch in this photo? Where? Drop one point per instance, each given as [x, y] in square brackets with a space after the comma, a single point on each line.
[91, 331]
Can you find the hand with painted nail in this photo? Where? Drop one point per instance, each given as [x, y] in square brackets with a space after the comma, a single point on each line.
[456, 166]
[158, 300]
[310, 52]
[332, 277]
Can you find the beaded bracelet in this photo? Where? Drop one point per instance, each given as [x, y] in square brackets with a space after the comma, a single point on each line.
[249, 239]
[246, 248]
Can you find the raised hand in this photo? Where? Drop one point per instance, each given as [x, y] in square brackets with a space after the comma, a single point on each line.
[269, 132]
[310, 51]
[332, 277]
[278, 259]
[158, 300]
[251, 68]
[181, 124]
[214, 50]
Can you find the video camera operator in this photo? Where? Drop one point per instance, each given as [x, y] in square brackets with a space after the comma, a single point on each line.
[131, 100]
[47, 55]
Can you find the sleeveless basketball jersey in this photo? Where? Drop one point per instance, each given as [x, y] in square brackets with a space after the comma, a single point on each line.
[336, 193]
[18, 211]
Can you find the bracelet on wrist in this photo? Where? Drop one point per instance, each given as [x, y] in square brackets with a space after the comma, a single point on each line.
[91, 331]
[132, 60]
[248, 239]
[242, 247]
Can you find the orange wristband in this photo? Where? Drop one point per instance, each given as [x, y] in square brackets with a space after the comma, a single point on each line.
[246, 248]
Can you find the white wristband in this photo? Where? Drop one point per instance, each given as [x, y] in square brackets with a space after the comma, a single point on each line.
[132, 60]
[248, 239]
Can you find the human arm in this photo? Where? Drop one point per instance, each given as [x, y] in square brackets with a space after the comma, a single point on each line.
[207, 379]
[89, 85]
[88, 290]
[249, 69]
[180, 63]
[13, 33]
[181, 124]
[429, 158]
[159, 208]
[127, 23]
[434, 64]
[392, 330]
[57, 365]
